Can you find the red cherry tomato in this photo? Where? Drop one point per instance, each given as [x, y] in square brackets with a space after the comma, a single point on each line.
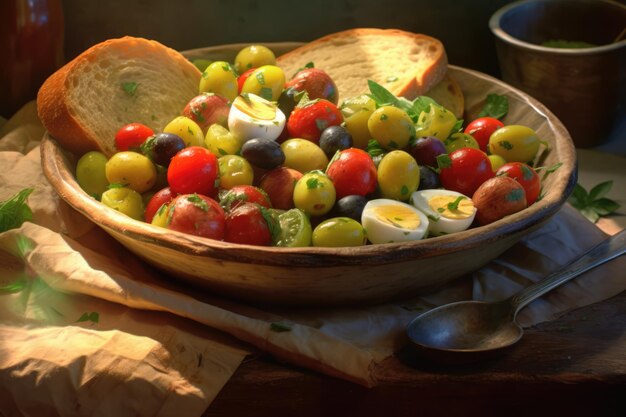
[239, 194]
[193, 170]
[464, 170]
[316, 83]
[481, 129]
[163, 196]
[206, 109]
[526, 176]
[309, 120]
[198, 215]
[353, 173]
[131, 136]
[247, 224]
[242, 78]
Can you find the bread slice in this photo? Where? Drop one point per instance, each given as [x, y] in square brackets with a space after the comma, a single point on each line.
[448, 94]
[113, 83]
[407, 64]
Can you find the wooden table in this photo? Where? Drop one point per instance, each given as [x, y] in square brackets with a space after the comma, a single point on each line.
[574, 366]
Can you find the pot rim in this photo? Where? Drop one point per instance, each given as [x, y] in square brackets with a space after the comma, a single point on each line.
[501, 34]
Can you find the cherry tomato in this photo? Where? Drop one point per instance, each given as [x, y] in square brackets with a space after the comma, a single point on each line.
[239, 194]
[163, 196]
[353, 173]
[198, 215]
[309, 120]
[248, 224]
[317, 84]
[481, 129]
[193, 170]
[464, 170]
[131, 136]
[526, 176]
[243, 77]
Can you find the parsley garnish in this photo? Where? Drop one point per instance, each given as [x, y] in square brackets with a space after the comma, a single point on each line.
[313, 183]
[197, 201]
[593, 204]
[15, 211]
[455, 204]
[506, 145]
[130, 88]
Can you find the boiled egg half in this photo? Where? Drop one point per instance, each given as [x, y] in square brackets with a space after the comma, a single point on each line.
[447, 211]
[389, 221]
[252, 116]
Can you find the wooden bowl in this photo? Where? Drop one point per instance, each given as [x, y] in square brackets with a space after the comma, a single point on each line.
[335, 276]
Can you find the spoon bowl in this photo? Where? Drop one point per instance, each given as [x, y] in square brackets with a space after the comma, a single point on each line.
[467, 331]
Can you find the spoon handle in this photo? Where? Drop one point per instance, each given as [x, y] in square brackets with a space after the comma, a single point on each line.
[605, 251]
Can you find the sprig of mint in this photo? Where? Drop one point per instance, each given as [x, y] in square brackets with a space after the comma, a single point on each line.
[496, 106]
[15, 211]
[593, 204]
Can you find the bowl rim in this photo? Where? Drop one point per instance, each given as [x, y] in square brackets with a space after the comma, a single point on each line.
[496, 29]
[66, 186]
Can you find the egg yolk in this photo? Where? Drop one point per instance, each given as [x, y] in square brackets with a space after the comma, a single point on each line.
[452, 207]
[255, 108]
[397, 216]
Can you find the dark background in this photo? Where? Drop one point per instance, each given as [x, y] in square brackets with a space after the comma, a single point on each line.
[462, 25]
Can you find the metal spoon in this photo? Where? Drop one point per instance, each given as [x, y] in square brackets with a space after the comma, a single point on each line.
[468, 331]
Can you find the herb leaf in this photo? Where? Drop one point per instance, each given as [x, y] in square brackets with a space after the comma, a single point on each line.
[15, 211]
[593, 204]
[496, 106]
[280, 327]
[130, 88]
[93, 317]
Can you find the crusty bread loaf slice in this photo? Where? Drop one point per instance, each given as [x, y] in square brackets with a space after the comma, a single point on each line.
[113, 83]
[407, 64]
[448, 94]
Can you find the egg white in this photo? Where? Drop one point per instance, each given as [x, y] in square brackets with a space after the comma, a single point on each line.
[246, 127]
[385, 221]
[439, 223]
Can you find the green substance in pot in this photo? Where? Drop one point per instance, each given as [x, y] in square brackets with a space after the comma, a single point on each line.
[560, 43]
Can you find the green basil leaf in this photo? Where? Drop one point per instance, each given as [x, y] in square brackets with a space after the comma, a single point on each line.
[604, 206]
[496, 106]
[579, 197]
[590, 214]
[600, 190]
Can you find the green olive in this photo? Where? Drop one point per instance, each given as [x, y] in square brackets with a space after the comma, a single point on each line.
[339, 232]
[221, 141]
[125, 200]
[514, 143]
[303, 155]
[267, 81]
[220, 78]
[460, 140]
[254, 56]
[187, 129]
[437, 122]
[391, 127]
[91, 173]
[314, 193]
[234, 170]
[356, 111]
[131, 169]
[398, 175]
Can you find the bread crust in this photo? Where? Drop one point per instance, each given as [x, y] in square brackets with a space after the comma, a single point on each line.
[413, 87]
[55, 110]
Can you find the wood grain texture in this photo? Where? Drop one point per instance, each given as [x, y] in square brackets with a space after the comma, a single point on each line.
[573, 366]
[337, 276]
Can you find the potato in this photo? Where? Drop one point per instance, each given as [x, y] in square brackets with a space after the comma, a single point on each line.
[498, 197]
